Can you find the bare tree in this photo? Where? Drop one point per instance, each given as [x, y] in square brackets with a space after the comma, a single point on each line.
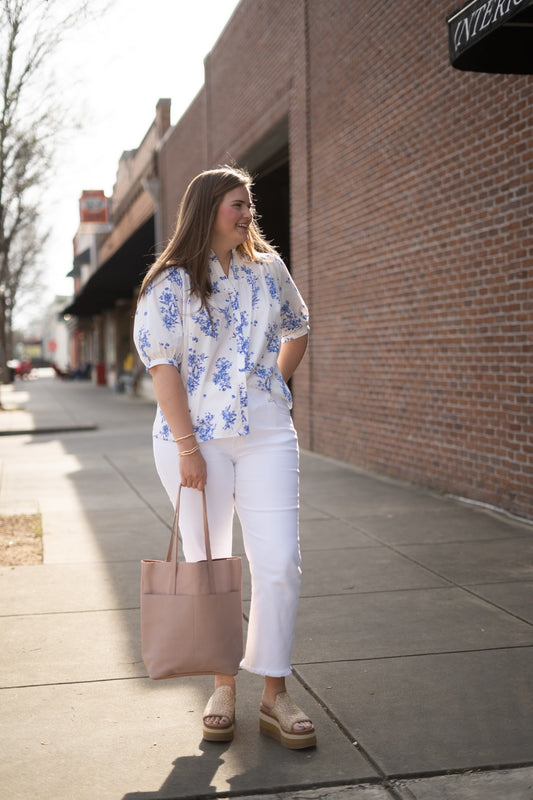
[31, 120]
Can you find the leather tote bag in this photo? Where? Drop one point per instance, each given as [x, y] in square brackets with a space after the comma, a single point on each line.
[191, 612]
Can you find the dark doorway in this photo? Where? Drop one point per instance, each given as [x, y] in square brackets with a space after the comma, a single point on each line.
[268, 161]
[272, 199]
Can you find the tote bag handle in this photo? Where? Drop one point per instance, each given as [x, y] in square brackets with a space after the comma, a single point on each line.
[172, 554]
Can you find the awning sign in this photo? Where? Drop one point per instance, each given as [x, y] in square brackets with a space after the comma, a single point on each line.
[478, 19]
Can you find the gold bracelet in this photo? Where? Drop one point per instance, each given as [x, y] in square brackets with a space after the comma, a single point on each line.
[181, 438]
[189, 452]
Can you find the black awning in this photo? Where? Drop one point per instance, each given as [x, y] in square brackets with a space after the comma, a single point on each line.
[79, 260]
[492, 36]
[82, 258]
[118, 277]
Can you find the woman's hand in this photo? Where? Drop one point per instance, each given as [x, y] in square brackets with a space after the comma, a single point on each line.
[193, 471]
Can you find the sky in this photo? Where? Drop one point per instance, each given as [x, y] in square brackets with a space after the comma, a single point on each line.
[112, 71]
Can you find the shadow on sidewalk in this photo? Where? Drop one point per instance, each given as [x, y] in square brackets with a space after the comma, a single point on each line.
[192, 774]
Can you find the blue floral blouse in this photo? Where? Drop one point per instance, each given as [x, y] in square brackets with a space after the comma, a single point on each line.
[253, 310]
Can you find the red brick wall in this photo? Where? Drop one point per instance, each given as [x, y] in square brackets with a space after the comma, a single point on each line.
[182, 156]
[249, 74]
[422, 253]
[411, 205]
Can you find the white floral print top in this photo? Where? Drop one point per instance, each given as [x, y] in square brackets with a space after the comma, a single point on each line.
[253, 310]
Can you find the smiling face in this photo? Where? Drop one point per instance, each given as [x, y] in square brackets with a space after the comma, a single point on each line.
[232, 221]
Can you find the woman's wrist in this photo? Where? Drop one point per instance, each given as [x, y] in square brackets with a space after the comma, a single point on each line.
[187, 444]
[183, 438]
[189, 452]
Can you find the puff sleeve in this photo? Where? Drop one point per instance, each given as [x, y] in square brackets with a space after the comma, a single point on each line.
[158, 324]
[294, 312]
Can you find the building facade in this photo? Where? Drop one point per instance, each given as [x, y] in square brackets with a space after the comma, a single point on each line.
[113, 246]
[400, 192]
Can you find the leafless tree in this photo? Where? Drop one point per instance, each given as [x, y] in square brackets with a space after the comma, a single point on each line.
[31, 119]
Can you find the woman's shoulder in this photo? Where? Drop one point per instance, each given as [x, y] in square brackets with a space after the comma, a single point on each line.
[173, 278]
[270, 262]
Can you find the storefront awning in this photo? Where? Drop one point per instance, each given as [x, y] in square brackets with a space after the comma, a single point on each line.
[82, 258]
[492, 36]
[118, 277]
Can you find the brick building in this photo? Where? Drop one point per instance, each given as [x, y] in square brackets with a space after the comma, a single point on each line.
[400, 192]
[110, 258]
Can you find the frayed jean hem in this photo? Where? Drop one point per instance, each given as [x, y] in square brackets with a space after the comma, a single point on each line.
[267, 673]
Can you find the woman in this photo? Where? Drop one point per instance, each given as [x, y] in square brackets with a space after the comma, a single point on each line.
[221, 327]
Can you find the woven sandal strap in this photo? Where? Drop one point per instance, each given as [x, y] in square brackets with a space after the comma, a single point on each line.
[221, 703]
[287, 712]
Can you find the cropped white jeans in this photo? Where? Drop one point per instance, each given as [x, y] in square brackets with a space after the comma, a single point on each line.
[257, 475]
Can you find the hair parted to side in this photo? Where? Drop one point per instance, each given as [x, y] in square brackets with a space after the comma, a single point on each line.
[190, 245]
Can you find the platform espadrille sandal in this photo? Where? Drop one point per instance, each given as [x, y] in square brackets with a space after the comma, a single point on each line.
[220, 704]
[278, 722]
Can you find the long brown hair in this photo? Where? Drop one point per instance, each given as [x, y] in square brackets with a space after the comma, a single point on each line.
[190, 245]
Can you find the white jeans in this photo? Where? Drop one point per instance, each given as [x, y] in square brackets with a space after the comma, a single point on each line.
[256, 475]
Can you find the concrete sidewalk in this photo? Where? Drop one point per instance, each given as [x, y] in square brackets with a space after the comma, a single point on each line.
[414, 648]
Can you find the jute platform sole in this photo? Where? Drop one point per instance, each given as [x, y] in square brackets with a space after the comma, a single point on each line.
[217, 734]
[278, 722]
[220, 704]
